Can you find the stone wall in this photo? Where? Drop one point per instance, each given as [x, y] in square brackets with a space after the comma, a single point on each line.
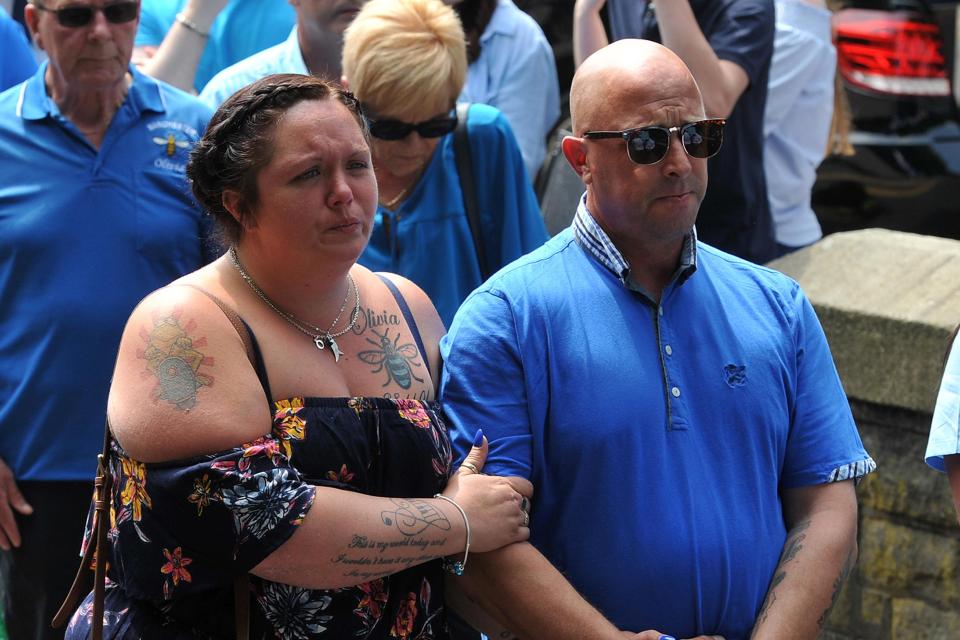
[887, 302]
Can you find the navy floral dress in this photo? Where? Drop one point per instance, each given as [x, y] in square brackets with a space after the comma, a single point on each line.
[181, 531]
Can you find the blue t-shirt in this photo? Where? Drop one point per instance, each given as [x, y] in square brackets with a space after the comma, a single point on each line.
[84, 235]
[427, 239]
[735, 214]
[16, 58]
[657, 438]
[242, 28]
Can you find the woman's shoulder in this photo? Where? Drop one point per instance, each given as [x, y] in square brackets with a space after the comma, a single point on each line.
[183, 383]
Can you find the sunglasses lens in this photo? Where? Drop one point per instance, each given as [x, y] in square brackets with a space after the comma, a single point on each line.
[647, 146]
[390, 129]
[702, 139]
[436, 128]
[74, 16]
[120, 12]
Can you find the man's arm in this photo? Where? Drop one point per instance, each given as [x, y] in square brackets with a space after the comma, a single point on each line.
[721, 81]
[10, 500]
[524, 592]
[588, 32]
[952, 464]
[820, 550]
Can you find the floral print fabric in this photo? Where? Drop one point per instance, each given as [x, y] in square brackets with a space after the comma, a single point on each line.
[181, 531]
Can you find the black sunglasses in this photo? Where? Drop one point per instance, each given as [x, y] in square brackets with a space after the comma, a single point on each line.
[398, 130]
[649, 145]
[75, 16]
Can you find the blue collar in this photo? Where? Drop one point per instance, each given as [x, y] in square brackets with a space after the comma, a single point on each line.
[34, 104]
[595, 241]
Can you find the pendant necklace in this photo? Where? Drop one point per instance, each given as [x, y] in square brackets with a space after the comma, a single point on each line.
[322, 338]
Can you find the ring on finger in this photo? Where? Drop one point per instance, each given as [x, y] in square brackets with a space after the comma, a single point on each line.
[524, 504]
[472, 467]
[526, 519]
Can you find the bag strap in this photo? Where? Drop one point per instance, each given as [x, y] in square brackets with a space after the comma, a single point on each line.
[461, 152]
[96, 554]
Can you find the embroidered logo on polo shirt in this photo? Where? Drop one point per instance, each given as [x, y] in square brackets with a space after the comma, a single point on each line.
[174, 139]
[735, 375]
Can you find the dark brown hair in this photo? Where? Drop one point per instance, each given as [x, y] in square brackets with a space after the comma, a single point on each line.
[237, 142]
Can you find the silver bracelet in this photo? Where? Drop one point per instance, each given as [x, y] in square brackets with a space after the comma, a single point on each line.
[191, 25]
[456, 567]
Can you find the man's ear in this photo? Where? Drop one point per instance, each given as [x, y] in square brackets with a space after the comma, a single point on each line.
[575, 151]
[31, 17]
[345, 83]
[234, 203]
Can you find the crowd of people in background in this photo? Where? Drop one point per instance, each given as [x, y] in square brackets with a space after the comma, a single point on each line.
[315, 191]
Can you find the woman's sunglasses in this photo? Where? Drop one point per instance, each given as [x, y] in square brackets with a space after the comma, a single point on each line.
[76, 16]
[398, 130]
[649, 145]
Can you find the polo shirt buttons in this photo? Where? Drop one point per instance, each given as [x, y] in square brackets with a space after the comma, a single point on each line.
[676, 392]
[669, 350]
[660, 310]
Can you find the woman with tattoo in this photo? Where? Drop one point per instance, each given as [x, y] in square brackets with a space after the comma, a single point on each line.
[943, 448]
[273, 413]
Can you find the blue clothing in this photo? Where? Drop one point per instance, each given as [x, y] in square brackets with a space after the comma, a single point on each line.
[657, 437]
[427, 239]
[945, 429]
[282, 58]
[242, 28]
[84, 235]
[796, 124]
[18, 62]
[735, 214]
[516, 73]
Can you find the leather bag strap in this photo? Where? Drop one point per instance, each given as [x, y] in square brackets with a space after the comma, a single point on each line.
[468, 185]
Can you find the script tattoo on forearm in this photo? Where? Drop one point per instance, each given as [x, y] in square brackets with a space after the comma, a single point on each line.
[368, 559]
[791, 548]
[838, 586]
[173, 357]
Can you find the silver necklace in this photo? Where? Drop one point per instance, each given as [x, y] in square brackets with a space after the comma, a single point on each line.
[321, 337]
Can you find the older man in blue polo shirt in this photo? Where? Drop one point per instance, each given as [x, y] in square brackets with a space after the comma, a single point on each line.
[676, 408]
[94, 214]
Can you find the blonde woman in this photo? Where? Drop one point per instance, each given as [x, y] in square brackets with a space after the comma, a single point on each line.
[406, 61]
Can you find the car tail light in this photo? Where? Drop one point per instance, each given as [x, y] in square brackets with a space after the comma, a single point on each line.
[890, 52]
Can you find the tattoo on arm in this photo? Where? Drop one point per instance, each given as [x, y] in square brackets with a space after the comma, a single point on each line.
[837, 586]
[790, 550]
[366, 558]
[173, 357]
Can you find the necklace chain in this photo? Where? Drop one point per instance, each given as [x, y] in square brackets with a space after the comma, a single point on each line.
[389, 204]
[321, 337]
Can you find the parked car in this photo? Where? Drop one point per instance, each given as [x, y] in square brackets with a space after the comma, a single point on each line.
[897, 64]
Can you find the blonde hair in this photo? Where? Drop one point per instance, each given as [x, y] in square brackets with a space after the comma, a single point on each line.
[399, 55]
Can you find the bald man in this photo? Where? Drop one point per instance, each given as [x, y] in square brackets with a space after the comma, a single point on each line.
[676, 408]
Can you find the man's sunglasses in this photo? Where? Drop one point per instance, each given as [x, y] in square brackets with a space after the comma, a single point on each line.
[76, 16]
[649, 145]
[398, 130]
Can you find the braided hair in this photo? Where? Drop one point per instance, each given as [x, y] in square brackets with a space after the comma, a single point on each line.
[237, 142]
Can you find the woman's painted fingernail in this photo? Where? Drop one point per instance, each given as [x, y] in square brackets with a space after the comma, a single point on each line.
[667, 638]
[478, 438]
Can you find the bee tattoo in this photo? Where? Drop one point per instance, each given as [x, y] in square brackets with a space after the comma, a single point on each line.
[394, 358]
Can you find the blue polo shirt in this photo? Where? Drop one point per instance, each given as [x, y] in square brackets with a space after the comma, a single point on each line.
[735, 214]
[18, 62]
[657, 437]
[84, 235]
[241, 29]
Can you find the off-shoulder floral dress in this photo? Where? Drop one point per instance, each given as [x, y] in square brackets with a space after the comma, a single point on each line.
[181, 531]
